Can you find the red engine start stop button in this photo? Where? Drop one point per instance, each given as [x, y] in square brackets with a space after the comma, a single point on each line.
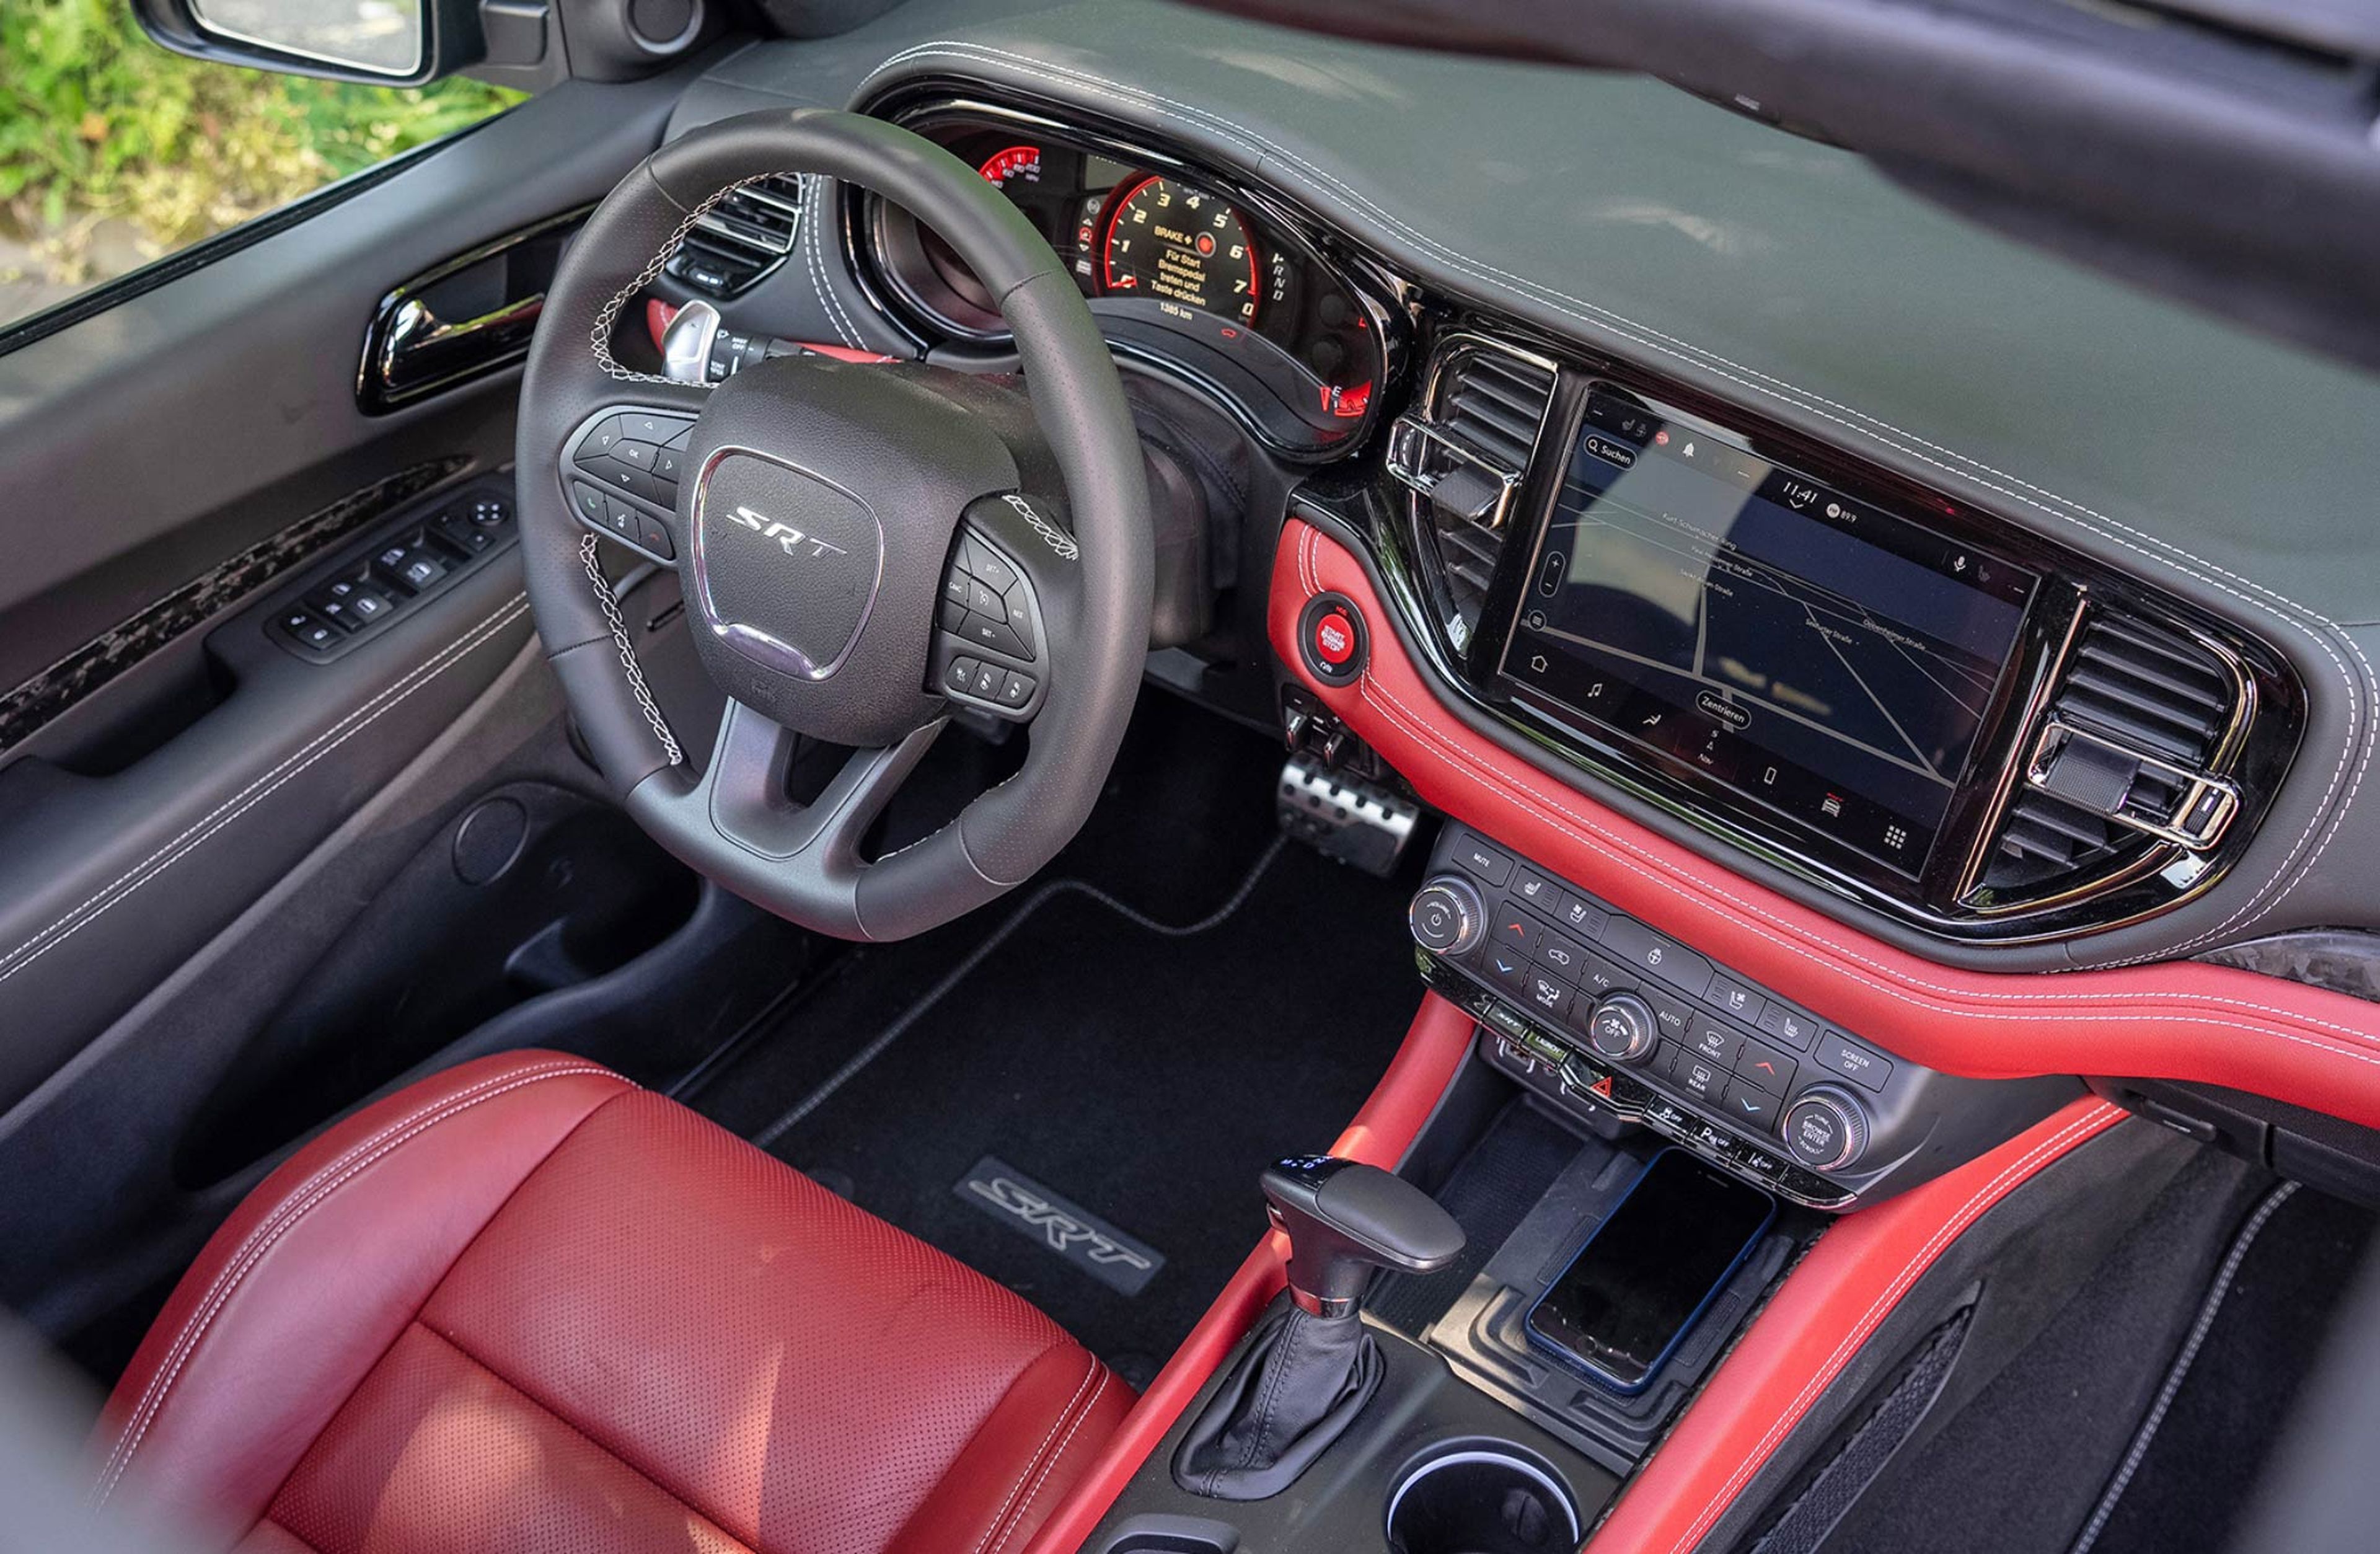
[1334, 638]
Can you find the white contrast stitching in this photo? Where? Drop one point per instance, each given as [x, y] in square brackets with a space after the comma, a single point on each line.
[286, 1215]
[2359, 729]
[121, 887]
[1000, 1517]
[1051, 1464]
[607, 318]
[627, 651]
[814, 253]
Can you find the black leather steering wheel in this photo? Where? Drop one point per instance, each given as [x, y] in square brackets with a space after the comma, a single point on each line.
[859, 544]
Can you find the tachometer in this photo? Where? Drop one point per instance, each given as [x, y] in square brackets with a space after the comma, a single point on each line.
[1167, 239]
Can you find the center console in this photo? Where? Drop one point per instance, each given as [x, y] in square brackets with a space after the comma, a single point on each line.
[1476, 1353]
[1615, 1023]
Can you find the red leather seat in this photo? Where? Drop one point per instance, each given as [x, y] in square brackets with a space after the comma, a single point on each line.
[525, 1305]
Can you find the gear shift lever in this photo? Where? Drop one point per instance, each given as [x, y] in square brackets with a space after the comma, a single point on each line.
[1345, 1220]
[1305, 1377]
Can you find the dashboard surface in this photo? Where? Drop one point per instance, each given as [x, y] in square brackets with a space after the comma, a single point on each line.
[1783, 277]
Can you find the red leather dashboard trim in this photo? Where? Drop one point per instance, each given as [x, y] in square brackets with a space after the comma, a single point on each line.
[1389, 1119]
[2175, 1020]
[1829, 1305]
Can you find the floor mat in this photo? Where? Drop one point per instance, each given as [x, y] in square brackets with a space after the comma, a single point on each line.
[2261, 1334]
[1139, 1039]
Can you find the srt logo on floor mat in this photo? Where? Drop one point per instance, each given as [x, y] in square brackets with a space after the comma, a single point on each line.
[1073, 1232]
[786, 536]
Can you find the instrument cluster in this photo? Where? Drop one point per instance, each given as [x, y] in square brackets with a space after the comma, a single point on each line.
[1184, 275]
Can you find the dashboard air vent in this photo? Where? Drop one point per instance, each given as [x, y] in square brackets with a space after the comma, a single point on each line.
[2122, 759]
[741, 238]
[1464, 455]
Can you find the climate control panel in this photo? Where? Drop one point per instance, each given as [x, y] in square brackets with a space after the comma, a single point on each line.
[1618, 1023]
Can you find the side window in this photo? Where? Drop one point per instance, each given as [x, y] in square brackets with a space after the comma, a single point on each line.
[114, 153]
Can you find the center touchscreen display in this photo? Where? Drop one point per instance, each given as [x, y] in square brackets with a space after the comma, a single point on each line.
[1825, 658]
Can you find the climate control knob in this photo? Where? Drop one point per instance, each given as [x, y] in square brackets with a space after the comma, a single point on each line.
[1446, 916]
[1622, 1028]
[1825, 1129]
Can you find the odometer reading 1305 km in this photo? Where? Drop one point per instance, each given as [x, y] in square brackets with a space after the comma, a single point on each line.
[1170, 240]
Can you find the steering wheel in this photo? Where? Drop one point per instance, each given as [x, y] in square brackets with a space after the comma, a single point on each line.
[860, 545]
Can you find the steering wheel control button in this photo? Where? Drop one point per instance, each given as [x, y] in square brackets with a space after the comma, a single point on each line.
[1867, 1070]
[960, 677]
[985, 566]
[632, 460]
[1331, 638]
[1447, 918]
[1016, 690]
[1622, 1028]
[1825, 1129]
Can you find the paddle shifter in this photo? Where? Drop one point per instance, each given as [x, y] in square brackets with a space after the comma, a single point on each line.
[1309, 1373]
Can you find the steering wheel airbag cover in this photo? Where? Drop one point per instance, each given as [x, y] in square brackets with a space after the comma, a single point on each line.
[824, 503]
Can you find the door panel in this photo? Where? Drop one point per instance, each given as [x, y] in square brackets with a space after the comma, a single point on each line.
[177, 465]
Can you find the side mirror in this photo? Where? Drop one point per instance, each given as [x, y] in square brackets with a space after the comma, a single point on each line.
[381, 43]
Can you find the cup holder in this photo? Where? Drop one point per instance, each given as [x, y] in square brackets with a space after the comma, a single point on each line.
[1482, 1497]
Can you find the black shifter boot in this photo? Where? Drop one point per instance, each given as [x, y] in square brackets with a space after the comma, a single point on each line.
[1305, 1376]
[1299, 1386]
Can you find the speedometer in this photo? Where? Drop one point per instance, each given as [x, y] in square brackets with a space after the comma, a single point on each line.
[1169, 240]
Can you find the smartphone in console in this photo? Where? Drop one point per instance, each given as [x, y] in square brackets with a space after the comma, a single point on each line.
[1626, 1302]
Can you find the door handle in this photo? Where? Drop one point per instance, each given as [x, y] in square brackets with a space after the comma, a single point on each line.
[420, 352]
[469, 317]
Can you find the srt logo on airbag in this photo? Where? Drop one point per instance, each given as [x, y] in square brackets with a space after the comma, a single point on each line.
[788, 537]
[1062, 1230]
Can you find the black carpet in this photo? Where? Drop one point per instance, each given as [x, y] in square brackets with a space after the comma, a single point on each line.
[1146, 1075]
[2199, 1473]
[2023, 1466]
[2017, 1470]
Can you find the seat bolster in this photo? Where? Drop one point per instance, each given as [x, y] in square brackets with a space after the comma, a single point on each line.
[318, 1272]
[1019, 1464]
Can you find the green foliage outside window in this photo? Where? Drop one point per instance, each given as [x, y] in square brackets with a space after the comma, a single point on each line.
[113, 151]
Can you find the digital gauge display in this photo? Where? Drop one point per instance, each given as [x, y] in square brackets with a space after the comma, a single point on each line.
[1167, 239]
[1178, 273]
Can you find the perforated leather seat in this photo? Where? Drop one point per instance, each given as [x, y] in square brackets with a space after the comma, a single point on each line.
[525, 1305]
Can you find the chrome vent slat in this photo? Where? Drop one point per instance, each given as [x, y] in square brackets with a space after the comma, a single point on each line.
[2140, 688]
[746, 234]
[1477, 429]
